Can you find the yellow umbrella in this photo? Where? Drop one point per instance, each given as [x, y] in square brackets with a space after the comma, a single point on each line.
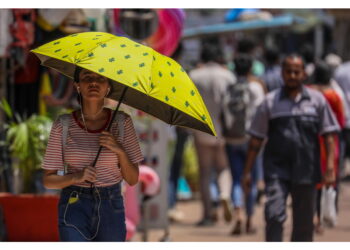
[156, 84]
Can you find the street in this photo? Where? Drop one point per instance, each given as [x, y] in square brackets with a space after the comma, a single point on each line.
[186, 231]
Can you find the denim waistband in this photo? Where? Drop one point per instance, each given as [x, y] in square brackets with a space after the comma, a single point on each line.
[104, 192]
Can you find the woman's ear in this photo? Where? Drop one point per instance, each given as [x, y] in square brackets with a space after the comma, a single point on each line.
[77, 87]
[107, 92]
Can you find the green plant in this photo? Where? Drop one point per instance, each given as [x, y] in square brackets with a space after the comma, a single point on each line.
[27, 139]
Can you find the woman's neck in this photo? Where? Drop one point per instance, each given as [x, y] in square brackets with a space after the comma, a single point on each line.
[92, 110]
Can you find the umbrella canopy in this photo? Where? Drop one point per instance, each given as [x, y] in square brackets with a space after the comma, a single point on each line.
[157, 84]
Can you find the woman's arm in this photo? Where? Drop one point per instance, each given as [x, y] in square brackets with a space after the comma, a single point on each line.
[53, 181]
[129, 170]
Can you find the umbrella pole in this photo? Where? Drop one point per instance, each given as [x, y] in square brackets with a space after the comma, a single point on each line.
[110, 123]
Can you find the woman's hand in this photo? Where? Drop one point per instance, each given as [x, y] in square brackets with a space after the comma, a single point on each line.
[109, 141]
[87, 174]
[130, 171]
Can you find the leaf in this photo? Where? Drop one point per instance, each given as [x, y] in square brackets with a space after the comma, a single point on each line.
[5, 106]
[18, 118]
[27, 140]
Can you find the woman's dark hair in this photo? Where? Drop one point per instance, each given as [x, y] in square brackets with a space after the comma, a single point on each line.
[243, 64]
[322, 74]
[76, 73]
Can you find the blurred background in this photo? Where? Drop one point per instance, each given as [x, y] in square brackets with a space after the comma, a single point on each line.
[33, 96]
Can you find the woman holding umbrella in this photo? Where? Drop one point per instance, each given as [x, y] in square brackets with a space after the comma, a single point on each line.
[143, 79]
[92, 212]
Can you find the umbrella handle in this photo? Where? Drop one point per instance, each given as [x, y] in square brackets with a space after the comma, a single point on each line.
[111, 122]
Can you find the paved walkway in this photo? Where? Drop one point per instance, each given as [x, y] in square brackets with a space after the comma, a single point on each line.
[188, 232]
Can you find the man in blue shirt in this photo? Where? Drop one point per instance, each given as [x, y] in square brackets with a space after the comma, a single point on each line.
[291, 119]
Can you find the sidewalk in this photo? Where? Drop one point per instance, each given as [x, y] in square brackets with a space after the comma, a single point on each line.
[187, 231]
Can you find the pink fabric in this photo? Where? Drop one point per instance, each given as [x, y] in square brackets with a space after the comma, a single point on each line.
[149, 180]
[168, 34]
[131, 203]
[130, 229]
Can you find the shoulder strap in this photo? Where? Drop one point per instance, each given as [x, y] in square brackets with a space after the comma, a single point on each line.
[64, 119]
[120, 122]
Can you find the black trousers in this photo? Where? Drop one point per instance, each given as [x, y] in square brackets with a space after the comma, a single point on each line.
[303, 199]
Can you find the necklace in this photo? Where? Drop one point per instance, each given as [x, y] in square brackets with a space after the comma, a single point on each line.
[88, 135]
[94, 115]
[82, 117]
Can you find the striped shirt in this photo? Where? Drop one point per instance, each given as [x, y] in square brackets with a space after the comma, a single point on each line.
[82, 146]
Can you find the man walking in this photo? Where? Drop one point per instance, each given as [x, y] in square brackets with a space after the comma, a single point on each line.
[212, 79]
[291, 118]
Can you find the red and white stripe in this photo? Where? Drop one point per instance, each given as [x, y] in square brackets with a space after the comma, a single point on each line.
[82, 147]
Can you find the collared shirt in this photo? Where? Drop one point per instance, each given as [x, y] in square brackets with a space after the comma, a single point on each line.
[292, 128]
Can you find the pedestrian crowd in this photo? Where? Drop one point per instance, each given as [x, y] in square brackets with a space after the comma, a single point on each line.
[283, 133]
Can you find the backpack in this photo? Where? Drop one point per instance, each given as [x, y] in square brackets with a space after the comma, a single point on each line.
[236, 100]
[65, 120]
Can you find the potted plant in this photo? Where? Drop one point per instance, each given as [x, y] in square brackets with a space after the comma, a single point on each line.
[27, 139]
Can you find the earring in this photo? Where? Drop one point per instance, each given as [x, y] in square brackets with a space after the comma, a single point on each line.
[108, 91]
[78, 90]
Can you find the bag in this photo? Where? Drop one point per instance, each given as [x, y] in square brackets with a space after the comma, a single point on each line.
[235, 105]
[328, 209]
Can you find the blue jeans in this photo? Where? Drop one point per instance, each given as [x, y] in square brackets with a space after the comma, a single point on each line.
[176, 165]
[237, 155]
[96, 214]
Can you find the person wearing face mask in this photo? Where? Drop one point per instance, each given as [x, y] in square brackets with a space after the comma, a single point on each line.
[91, 206]
[291, 119]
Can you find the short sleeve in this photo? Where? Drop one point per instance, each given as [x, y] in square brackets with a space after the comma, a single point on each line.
[329, 123]
[257, 92]
[260, 122]
[130, 143]
[53, 155]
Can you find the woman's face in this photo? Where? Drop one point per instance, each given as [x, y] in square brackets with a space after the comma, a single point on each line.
[92, 85]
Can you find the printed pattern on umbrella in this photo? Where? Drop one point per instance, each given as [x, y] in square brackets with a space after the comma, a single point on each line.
[132, 64]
